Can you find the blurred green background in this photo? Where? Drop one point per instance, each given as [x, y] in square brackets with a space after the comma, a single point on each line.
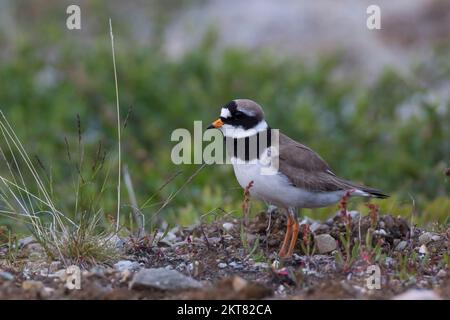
[374, 104]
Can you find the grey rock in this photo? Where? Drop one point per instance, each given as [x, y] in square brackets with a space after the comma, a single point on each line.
[442, 273]
[306, 220]
[381, 232]
[436, 237]
[169, 237]
[325, 243]
[6, 276]
[25, 241]
[425, 238]
[389, 222]
[401, 245]
[98, 271]
[416, 294]
[222, 265]
[116, 242]
[389, 262]
[354, 214]
[262, 265]
[182, 266]
[163, 279]
[55, 266]
[214, 240]
[315, 226]
[235, 265]
[123, 265]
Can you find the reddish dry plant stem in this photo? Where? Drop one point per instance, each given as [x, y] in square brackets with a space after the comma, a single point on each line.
[343, 208]
[373, 214]
[246, 202]
[306, 233]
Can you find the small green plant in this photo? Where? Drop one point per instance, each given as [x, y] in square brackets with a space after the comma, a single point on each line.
[349, 251]
[76, 240]
[406, 267]
[374, 253]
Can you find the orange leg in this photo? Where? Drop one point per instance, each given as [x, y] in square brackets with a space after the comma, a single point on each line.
[287, 236]
[294, 238]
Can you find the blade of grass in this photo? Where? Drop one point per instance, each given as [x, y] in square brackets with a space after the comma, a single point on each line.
[118, 125]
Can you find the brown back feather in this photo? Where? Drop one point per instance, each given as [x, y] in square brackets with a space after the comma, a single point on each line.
[306, 169]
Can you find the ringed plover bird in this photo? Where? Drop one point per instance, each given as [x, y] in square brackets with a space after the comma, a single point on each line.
[302, 179]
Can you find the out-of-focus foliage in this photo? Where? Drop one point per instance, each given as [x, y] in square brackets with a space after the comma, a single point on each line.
[391, 134]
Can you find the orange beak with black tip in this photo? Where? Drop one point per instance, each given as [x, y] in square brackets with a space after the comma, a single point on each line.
[216, 124]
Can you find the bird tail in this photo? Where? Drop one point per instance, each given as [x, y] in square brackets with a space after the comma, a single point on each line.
[364, 191]
[374, 193]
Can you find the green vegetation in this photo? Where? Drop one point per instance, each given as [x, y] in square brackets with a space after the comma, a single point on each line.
[390, 134]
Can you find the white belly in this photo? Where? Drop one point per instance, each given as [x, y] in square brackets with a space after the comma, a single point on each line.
[277, 190]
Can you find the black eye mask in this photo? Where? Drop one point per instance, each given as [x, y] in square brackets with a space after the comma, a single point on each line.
[238, 118]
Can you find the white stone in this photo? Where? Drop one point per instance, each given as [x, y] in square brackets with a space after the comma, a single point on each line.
[423, 250]
[228, 226]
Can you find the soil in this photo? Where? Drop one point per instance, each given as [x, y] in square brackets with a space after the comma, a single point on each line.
[237, 261]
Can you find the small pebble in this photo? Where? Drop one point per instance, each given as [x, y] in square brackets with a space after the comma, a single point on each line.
[235, 265]
[436, 237]
[275, 264]
[32, 285]
[325, 243]
[401, 245]
[228, 226]
[442, 273]
[261, 265]
[126, 265]
[55, 266]
[381, 232]
[425, 237]
[389, 261]
[6, 276]
[98, 271]
[353, 214]
[125, 275]
[222, 265]
[423, 250]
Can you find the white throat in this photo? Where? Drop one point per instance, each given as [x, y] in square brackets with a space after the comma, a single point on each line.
[233, 132]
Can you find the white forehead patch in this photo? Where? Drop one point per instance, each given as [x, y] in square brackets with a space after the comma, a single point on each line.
[225, 113]
[247, 112]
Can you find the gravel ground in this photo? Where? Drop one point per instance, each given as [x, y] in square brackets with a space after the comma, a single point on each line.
[209, 261]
